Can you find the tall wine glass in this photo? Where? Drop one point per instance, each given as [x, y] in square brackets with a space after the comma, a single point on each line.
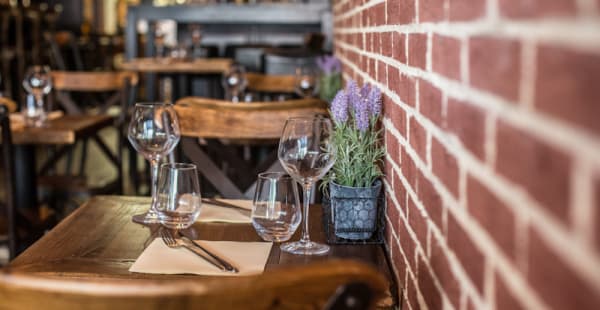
[306, 153]
[234, 82]
[154, 133]
[37, 82]
[306, 82]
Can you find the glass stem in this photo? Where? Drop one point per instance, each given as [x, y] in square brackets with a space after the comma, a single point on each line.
[154, 175]
[306, 200]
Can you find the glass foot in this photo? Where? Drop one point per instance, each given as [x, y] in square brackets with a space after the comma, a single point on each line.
[149, 217]
[305, 248]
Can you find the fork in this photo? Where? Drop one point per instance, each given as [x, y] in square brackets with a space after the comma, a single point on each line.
[172, 242]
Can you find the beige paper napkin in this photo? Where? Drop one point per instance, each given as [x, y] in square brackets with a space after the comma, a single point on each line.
[249, 257]
[213, 213]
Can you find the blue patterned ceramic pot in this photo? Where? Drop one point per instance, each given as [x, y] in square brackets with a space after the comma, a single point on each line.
[354, 210]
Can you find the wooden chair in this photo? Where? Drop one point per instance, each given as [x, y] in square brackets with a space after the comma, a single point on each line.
[333, 284]
[253, 123]
[9, 177]
[119, 85]
[270, 84]
[9, 103]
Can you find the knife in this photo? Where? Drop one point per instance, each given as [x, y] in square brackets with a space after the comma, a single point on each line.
[221, 261]
[224, 204]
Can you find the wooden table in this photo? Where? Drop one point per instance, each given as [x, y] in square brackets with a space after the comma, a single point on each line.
[168, 65]
[99, 240]
[64, 130]
[183, 72]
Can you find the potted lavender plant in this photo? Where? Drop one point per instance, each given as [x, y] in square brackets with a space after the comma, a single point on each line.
[353, 182]
[331, 77]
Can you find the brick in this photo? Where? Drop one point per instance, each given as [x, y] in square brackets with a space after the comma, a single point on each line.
[557, 284]
[431, 295]
[495, 65]
[408, 245]
[468, 123]
[596, 187]
[393, 12]
[406, 89]
[381, 72]
[465, 10]
[407, 11]
[417, 50]
[445, 56]
[392, 147]
[418, 139]
[430, 102]
[493, 215]
[431, 200]
[411, 294]
[470, 257]
[409, 170]
[431, 11]
[504, 299]
[445, 166]
[399, 265]
[401, 194]
[542, 170]
[376, 43]
[441, 268]
[537, 8]
[567, 86]
[379, 14]
[398, 117]
[386, 44]
[399, 53]
[394, 215]
[417, 222]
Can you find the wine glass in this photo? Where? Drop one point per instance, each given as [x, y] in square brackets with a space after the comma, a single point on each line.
[234, 81]
[178, 195]
[154, 133]
[306, 153]
[306, 82]
[276, 207]
[37, 82]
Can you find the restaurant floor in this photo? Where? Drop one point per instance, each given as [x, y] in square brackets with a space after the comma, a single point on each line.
[97, 169]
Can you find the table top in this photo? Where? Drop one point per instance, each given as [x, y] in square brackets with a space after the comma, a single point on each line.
[99, 240]
[62, 130]
[169, 65]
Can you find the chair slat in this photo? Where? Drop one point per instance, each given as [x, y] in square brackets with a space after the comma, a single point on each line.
[92, 81]
[209, 118]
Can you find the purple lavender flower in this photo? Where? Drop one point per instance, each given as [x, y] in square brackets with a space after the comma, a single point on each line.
[352, 92]
[374, 102]
[329, 64]
[339, 107]
[361, 114]
[364, 91]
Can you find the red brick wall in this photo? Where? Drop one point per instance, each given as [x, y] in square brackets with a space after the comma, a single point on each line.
[492, 128]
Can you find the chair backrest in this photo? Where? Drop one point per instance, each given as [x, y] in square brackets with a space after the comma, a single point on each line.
[285, 61]
[9, 103]
[266, 83]
[209, 118]
[9, 179]
[313, 286]
[120, 82]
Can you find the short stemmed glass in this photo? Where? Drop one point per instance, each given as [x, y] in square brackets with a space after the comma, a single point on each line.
[306, 82]
[306, 153]
[234, 82]
[154, 133]
[37, 82]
